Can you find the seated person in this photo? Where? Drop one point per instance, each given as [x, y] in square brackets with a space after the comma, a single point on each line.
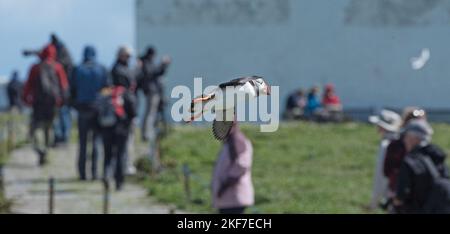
[295, 105]
[331, 101]
[331, 106]
[313, 103]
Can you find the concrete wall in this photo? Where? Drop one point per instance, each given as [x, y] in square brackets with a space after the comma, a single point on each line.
[362, 46]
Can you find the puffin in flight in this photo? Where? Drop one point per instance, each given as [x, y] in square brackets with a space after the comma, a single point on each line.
[253, 86]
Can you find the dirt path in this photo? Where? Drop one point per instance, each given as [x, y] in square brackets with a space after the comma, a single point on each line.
[27, 185]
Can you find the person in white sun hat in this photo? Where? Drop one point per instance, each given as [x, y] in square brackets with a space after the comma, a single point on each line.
[388, 124]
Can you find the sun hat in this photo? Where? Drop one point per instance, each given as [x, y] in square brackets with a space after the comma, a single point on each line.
[387, 120]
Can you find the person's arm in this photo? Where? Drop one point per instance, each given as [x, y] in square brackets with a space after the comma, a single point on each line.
[73, 86]
[28, 92]
[106, 79]
[404, 185]
[229, 182]
[160, 70]
[63, 82]
[388, 160]
[130, 105]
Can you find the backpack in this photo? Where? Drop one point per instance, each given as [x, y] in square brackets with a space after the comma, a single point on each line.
[438, 201]
[47, 92]
[48, 89]
[110, 107]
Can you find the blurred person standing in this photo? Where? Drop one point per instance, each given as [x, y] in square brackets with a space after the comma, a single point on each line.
[87, 81]
[62, 54]
[45, 92]
[423, 181]
[116, 111]
[63, 123]
[232, 187]
[123, 75]
[14, 90]
[388, 124]
[396, 150]
[150, 82]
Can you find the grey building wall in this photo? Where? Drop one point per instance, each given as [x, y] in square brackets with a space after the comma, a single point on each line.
[362, 46]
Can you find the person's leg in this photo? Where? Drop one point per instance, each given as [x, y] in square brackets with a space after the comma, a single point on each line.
[154, 106]
[94, 151]
[83, 128]
[66, 123]
[380, 183]
[120, 161]
[47, 129]
[57, 132]
[108, 144]
[39, 136]
[129, 152]
[144, 122]
[234, 210]
[39, 132]
[36, 139]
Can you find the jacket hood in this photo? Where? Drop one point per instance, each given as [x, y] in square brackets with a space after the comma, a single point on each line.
[89, 53]
[48, 53]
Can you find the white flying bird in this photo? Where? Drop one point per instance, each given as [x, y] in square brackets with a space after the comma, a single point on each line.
[418, 63]
[252, 86]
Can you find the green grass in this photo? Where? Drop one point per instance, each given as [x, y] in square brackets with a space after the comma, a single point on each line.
[7, 144]
[301, 168]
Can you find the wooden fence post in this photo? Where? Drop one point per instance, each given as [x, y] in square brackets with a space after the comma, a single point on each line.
[2, 183]
[187, 178]
[51, 195]
[106, 196]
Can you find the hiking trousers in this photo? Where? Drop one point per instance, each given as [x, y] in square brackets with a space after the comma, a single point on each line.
[115, 158]
[87, 136]
[150, 115]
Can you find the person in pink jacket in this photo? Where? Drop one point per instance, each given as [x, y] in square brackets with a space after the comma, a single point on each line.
[232, 187]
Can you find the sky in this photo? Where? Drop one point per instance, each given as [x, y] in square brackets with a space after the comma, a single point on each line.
[105, 24]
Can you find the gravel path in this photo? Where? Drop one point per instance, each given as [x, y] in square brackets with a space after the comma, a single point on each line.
[27, 185]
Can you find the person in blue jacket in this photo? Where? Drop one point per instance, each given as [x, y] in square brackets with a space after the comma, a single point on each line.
[87, 81]
[313, 101]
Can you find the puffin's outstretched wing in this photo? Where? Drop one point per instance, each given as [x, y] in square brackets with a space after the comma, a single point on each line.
[238, 81]
[223, 124]
[221, 129]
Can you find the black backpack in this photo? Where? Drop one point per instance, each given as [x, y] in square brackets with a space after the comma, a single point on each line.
[110, 107]
[438, 201]
[48, 90]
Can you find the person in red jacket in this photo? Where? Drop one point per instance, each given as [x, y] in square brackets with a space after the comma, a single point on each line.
[330, 99]
[44, 92]
[332, 106]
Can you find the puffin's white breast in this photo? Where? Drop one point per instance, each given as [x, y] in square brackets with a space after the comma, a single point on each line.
[223, 102]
